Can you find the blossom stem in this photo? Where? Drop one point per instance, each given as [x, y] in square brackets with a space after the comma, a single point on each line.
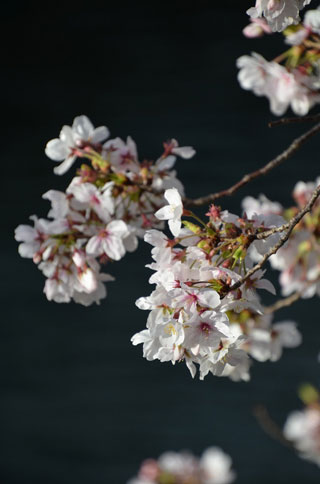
[298, 119]
[293, 222]
[294, 146]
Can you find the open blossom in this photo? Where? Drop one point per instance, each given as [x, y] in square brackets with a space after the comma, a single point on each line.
[173, 211]
[64, 148]
[214, 467]
[104, 210]
[256, 28]
[264, 340]
[278, 13]
[302, 428]
[284, 88]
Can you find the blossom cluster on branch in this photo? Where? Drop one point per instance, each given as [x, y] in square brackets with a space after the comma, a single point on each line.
[292, 79]
[299, 259]
[195, 314]
[214, 467]
[105, 209]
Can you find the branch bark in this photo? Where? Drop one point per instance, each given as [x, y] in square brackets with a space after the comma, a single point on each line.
[291, 225]
[283, 303]
[294, 146]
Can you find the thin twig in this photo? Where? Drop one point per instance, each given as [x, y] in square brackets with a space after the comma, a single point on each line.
[270, 426]
[274, 230]
[296, 120]
[287, 301]
[294, 146]
[283, 303]
[293, 222]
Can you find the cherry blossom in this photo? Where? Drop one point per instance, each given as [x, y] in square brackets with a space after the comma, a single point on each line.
[278, 13]
[65, 148]
[214, 467]
[173, 211]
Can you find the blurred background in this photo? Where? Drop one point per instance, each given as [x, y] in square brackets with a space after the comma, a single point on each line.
[78, 402]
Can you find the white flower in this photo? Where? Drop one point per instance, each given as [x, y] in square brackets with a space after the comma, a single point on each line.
[173, 211]
[32, 238]
[109, 241]
[185, 152]
[311, 20]
[89, 196]
[278, 13]
[215, 467]
[284, 88]
[59, 202]
[70, 138]
[303, 429]
[123, 156]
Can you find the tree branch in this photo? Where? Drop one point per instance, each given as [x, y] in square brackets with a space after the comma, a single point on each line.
[291, 225]
[294, 146]
[269, 426]
[283, 303]
[296, 120]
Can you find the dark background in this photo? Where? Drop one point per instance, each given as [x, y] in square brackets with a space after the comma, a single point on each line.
[78, 402]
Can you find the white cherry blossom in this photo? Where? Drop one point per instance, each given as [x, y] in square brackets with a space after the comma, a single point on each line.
[173, 211]
[64, 148]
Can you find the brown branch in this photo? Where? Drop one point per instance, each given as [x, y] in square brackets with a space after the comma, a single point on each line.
[283, 303]
[294, 146]
[287, 301]
[274, 230]
[296, 120]
[293, 222]
[269, 426]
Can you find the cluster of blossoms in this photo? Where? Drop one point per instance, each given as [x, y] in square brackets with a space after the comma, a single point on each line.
[196, 314]
[299, 259]
[293, 78]
[278, 14]
[105, 209]
[302, 427]
[214, 467]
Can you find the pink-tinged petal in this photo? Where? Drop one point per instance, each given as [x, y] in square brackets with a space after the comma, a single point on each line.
[156, 238]
[64, 167]
[113, 247]
[209, 298]
[289, 335]
[84, 192]
[100, 134]
[28, 250]
[141, 337]
[25, 233]
[94, 246]
[144, 303]
[66, 135]
[132, 147]
[57, 150]
[185, 152]
[267, 285]
[175, 227]
[166, 163]
[131, 243]
[165, 213]
[106, 277]
[88, 280]
[82, 127]
[59, 202]
[118, 228]
[253, 30]
[173, 196]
